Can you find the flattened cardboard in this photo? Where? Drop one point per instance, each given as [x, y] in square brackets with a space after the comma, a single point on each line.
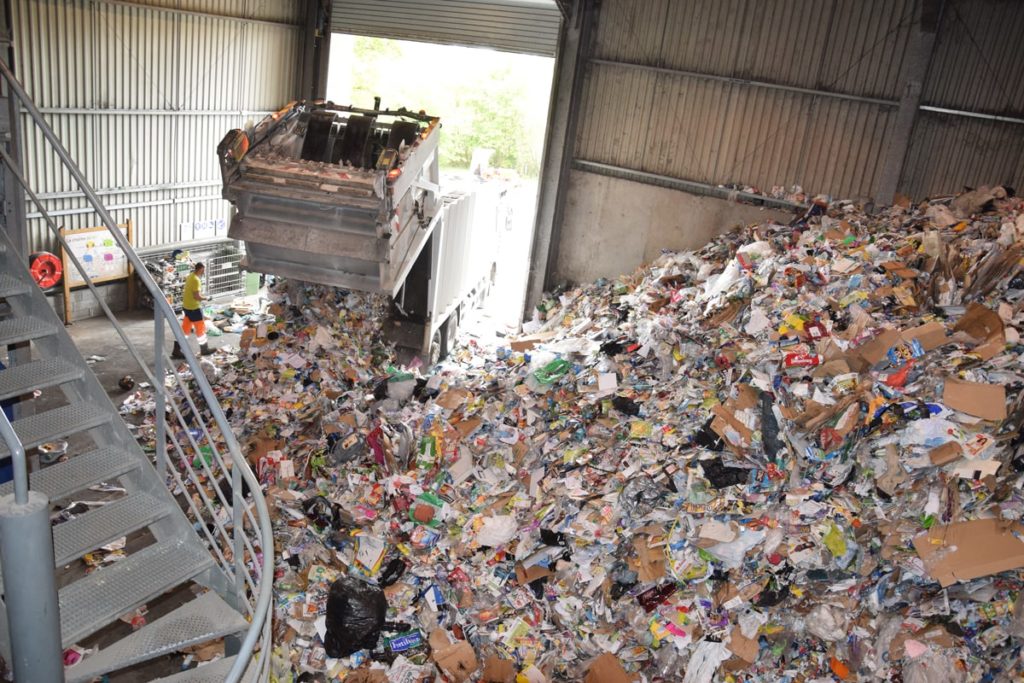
[724, 422]
[743, 647]
[259, 447]
[987, 401]
[930, 335]
[651, 560]
[874, 351]
[981, 323]
[498, 670]
[456, 659]
[970, 550]
[453, 398]
[526, 575]
[367, 676]
[606, 669]
[946, 453]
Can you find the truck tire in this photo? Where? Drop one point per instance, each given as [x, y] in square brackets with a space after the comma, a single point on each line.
[450, 330]
[436, 352]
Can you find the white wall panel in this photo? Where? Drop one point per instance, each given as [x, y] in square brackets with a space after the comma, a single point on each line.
[141, 92]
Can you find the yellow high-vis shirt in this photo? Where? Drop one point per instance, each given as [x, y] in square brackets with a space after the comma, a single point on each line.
[190, 296]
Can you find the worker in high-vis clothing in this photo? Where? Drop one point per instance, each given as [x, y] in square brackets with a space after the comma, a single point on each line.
[191, 302]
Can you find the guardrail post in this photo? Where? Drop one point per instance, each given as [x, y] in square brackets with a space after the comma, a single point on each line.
[159, 389]
[30, 588]
[232, 644]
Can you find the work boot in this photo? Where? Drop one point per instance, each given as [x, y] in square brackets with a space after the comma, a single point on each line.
[176, 352]
[205, 350]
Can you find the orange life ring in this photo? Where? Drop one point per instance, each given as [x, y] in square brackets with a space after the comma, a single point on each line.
[46, 269]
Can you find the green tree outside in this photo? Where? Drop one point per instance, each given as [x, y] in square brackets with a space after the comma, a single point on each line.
[485, 99]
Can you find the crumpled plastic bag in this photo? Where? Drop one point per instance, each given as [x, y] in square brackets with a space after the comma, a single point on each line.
[827, 622]
[933, 667]
[497, 531]
[705, 661]
[355, 616]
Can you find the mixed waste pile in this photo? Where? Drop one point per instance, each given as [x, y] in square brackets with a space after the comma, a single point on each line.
[794, 455]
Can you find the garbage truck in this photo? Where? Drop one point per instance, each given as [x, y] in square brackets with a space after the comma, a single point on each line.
[352, 198]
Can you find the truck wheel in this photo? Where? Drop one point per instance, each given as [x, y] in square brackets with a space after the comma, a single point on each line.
[436, 352]
[451, 330]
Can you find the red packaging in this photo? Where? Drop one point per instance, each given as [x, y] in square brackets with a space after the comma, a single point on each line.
[801, 360]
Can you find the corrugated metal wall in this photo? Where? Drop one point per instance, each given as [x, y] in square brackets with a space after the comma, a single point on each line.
[524, 26]
[141, 93]
[799, 92]
[977, 66]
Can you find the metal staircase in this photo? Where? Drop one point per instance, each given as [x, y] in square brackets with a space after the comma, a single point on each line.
[215, 541]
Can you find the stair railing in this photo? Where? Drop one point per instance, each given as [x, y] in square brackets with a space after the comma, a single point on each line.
[201, 455]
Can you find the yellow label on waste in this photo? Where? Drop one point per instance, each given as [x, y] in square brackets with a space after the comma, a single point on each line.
[835, 541]
[640, 429]
[795, 321]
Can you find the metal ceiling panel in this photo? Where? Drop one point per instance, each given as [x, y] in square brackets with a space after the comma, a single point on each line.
[524, 26]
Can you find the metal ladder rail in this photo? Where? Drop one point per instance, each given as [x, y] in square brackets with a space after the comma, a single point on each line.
[241, 470]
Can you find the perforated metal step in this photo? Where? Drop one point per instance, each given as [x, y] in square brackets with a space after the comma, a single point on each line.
[91, 603]
[24, 328]
[79, 472]
[211, 673]
[38, 374]
[57, 423]
[104, 524]
[205, 618]
[11, 286]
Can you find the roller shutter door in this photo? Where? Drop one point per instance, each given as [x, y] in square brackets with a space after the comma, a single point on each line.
[524, 26]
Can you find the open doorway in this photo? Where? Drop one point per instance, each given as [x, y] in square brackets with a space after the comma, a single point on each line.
[494, 110]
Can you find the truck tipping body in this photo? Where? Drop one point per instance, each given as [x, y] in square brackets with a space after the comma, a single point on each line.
[334, 194]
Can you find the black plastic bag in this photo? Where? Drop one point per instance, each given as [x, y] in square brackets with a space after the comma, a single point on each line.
[320, 511]
[721, 475]
[355, 617]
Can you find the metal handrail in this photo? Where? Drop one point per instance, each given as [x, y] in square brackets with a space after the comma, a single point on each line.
[18, 464]
[241, 472]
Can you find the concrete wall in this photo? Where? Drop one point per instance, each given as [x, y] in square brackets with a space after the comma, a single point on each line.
[613, 225]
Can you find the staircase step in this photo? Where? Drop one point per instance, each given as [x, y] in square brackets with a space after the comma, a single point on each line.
[11, 286]
[203, 619]
[105, 524]
[215, 672]
[91, 603]
[24, 328]
[38, 374]
[79, 472]
[40, 428]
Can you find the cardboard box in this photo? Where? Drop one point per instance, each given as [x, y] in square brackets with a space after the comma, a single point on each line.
[987, 401]
[970, 550]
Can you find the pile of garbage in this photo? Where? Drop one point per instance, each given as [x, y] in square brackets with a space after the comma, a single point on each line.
[793, 455]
